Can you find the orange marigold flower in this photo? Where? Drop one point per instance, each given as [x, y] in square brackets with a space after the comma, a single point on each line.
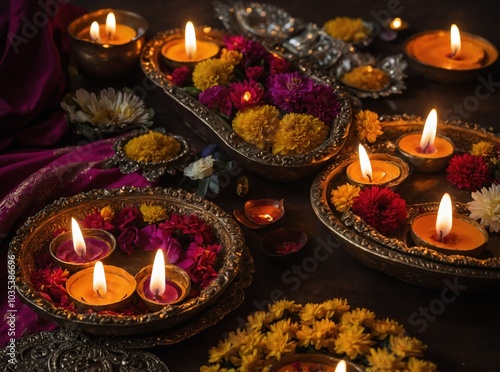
[298, 134]
[257, 125]
[211, 72]
[368, 125]
[343, 197]
[152, 147]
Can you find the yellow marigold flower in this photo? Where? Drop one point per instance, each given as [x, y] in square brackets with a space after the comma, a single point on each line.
[343, 197]
[152, 147]
[419, 365]
[323, 331]
[381, 328]
[381, 360]
[278, 344]
[211, 72]
[251, 361]
[346, 29]
[107, 213]
[359, 316]
[483, 148]
[329, 308]
[220, 352]
[278, 308]
[250, 339]
[309, 313]
[285, 326]
[153, 213]
[353, 342]
[368, 126]
[257, 320]
[299, 134]
[212, 368]
[234, 57]
[405, 346]
[257, 125]
[305, 335]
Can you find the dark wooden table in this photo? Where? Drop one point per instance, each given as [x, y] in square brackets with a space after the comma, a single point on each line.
[463, 334]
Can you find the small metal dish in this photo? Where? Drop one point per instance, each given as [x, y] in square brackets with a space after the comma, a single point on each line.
[394, 66]
[283, 243]
[264, 211]
[150, 170]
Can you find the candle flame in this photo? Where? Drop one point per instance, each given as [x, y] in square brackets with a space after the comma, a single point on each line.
[444, 220]
[341, 366]
[78, 241]
[455, 42]
[99, 282]
[190, 40]
[94, 32]
[246, 96]
[396, 23]
[364, 162]
[429, 132]
[111, 25]
[157, 282]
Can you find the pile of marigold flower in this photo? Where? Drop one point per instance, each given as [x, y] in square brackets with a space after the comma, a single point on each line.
[329, 328]
[268, 105]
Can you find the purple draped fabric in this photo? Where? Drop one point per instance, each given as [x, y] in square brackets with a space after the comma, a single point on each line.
[34, 170]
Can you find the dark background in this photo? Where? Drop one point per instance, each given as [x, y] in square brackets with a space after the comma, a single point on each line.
[465, 336]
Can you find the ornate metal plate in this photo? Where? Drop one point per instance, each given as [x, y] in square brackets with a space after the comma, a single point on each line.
[211, 127]
[392, 255]
[34, 236]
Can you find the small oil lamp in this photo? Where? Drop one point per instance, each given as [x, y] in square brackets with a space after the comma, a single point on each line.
[79, 248]
[376, 170]
[162, 284]
[101, 287]
[447, 232]
[427, 152]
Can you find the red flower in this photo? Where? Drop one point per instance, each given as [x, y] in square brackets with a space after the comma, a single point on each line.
[382, 208]
[95, 221]
[469, 172]
[181, 76]
[278, 65]
[246, 94]
[128, 216]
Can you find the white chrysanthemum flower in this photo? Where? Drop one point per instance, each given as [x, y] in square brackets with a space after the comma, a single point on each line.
[110, 109]
[486, 207]
[200, 169]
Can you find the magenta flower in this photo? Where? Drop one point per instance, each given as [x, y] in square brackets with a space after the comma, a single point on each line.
[189, 226]
[246, 94]
[181, 76]
[278, 65]
[128, 239]
[151, 238]
[254, 72]
[217, 98]
[322, 103]
[288, 89]
[128, 216]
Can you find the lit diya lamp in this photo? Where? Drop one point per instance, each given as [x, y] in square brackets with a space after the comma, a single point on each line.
[447, 232]
[108, 42]
[376, 170]
[426, 151]
[189, 50]
[392, 28]
[162, 284]
[101, 287]
[449, 56]
[78, 249]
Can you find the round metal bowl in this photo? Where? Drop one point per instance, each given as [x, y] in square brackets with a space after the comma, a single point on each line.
[395, 255]
[33, 238]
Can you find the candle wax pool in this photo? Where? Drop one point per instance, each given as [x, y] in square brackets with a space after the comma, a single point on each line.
[411, 145]
[123, 34]
[176, 51]
[382, 172]
[171, 294]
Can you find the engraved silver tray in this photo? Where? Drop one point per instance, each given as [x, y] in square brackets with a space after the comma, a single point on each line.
[34, 236]
[395, 255]
[211, 127]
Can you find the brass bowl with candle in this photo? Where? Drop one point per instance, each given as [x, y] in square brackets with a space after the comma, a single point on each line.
[441, 71]
[32, 241]
[174, 274]
[105, 59]
[396, 255]
[100, 235]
